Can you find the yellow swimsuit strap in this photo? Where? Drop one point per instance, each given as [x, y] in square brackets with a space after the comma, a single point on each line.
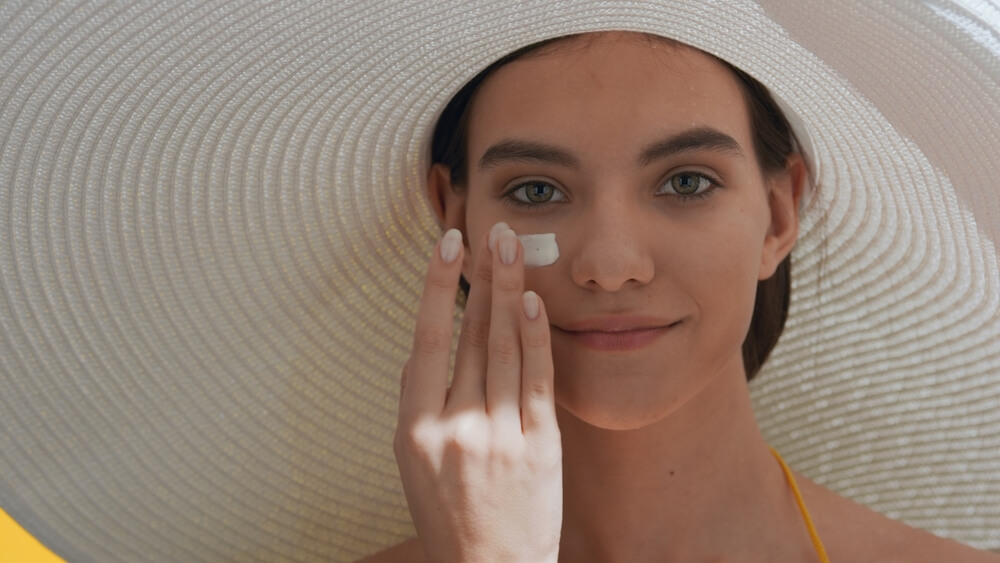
[820, 550]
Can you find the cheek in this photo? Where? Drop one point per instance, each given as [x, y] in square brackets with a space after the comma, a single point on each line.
[548, 282]
[478, 221]
[723, 265]
[481, 214]
[724, 260]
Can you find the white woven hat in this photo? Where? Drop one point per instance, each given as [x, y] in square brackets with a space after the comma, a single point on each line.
[213, 234]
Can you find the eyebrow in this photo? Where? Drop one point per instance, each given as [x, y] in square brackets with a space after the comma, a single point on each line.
[519, 150]
[696, 139]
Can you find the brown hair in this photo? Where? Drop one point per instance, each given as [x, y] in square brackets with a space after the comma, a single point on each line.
[773, 142]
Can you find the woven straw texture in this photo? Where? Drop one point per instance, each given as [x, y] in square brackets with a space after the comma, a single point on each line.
[213, 234]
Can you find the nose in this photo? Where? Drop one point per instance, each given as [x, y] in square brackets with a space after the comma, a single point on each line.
[613, 250]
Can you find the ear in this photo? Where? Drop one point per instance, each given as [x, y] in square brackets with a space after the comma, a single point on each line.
[784, 197]
[448, 204]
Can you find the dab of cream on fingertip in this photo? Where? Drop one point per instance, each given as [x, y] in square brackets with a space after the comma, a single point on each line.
[539, 250]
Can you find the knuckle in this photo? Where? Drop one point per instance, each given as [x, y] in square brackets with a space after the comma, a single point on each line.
[402, 444]
[469, 437]
[476, 334]
[504, 350]
[412, 440]
[484, 271]
[536, 340]
[536, 386]
[431, 339]
[440, 281]
[507, 284]
[398, 444]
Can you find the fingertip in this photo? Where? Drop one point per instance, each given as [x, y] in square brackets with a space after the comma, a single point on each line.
[495, 233]
[451, 245]
[535, 330]
[530, 302]
[508, 247]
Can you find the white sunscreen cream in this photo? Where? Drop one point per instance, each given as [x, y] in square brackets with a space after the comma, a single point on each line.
[539, 250]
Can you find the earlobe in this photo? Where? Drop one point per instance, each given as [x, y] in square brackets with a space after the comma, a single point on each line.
[784, 197]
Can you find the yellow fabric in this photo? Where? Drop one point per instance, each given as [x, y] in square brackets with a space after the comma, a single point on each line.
[18, 546]
[817, 543]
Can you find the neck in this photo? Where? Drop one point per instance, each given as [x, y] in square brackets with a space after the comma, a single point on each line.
[699, 485]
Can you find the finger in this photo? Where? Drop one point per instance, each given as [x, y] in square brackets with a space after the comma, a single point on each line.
[427, 370]
[503, 363]
[468, 387]
[537, 387]
[402, 380]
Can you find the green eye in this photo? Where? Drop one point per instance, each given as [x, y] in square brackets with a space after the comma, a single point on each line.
[538, 192]
[535, 192]
[687, 183]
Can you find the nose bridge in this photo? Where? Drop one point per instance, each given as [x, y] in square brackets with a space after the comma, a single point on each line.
[614, 248]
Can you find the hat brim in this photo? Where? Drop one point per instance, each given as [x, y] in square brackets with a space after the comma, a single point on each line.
[214, 234]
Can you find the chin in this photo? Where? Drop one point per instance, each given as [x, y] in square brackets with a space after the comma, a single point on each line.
[610, 421]
[618, 408]
[626, 395]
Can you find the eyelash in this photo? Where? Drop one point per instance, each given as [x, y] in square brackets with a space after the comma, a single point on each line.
[713, 184]
[511, 199]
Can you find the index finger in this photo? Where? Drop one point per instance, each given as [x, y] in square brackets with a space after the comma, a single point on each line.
[427, 370]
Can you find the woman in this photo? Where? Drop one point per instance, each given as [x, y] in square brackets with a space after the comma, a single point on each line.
[599, 409]
[214, 237]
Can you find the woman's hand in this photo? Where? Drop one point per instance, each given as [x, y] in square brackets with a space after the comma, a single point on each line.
[481, 462]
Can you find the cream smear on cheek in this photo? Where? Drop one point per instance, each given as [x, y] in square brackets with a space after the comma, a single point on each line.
[539, 250]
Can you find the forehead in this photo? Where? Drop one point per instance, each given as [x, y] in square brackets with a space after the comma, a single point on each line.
[619, 84]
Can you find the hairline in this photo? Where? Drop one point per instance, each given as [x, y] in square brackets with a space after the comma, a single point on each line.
[582, 40]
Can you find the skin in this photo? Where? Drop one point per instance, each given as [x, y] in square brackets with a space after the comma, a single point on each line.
[547, 448]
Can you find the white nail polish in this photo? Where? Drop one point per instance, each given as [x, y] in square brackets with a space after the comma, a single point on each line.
[539, 250]
[530, 302]
[507, 248]
[451, 244]
[495, 232]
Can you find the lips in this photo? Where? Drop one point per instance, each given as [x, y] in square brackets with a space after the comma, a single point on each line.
[617, 334]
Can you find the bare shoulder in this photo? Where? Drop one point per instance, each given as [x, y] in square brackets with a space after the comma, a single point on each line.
[410, 551]
[853, 532]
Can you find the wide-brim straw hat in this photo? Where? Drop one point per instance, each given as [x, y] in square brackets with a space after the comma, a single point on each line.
[213, 234]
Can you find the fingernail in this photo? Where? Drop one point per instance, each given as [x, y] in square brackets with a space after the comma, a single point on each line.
[495, 233]
[530, 302]
[508, 247]
[451, 243]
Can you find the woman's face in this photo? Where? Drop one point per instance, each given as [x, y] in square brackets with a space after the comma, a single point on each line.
[638, 155]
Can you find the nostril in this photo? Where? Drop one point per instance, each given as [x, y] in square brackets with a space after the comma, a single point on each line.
[612, 267]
